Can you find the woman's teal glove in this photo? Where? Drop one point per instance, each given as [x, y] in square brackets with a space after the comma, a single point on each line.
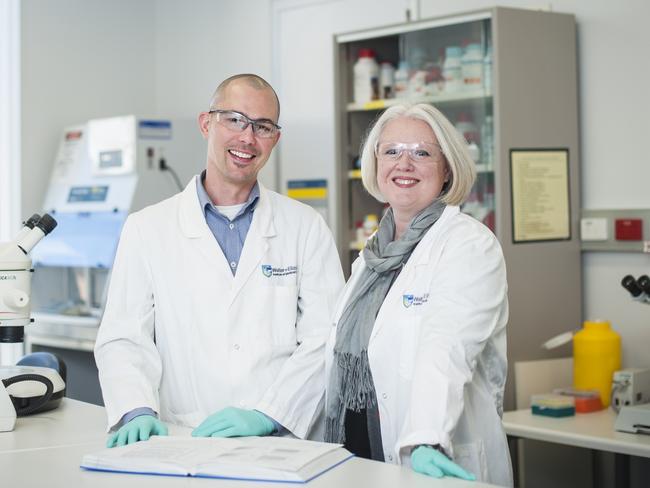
[234, 422]
[427, 460]
[137, 429]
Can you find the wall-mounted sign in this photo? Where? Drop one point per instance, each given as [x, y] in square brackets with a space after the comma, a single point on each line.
[539, 181]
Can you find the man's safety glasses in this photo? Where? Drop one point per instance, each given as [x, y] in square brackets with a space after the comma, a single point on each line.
[419, 152]
[239, 123]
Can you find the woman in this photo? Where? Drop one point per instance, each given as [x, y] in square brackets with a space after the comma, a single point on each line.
[417, 361]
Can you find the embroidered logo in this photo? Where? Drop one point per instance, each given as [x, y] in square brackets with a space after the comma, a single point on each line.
[416, 301]
[268, 270]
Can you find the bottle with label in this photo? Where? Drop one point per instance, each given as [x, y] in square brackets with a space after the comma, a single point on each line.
[366, 77]
[417, 84]
[451, 69]
[387, 79]
[370, 225]
[472, 67]
[596, 355]
[402, 80]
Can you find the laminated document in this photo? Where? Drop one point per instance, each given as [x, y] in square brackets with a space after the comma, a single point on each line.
[244, 458]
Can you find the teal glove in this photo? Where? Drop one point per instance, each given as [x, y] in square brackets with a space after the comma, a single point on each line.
[137, 429]
[234, 422]
[429, 461]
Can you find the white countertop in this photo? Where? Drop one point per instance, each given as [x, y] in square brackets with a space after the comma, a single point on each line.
[46, 450]
[590, 430]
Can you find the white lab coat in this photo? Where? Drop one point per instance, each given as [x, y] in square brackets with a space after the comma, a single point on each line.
[182, 336]
[437, 351]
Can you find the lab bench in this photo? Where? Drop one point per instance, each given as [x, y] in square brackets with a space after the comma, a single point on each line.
[46, 449]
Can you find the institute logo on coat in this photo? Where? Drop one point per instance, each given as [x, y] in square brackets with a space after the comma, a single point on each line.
[267, 270]
[407, 300]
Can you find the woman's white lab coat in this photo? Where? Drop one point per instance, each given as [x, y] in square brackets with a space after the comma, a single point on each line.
[184, 337]
[438, 349]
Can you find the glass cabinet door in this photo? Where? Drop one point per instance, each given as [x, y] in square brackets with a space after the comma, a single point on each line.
[450, 67]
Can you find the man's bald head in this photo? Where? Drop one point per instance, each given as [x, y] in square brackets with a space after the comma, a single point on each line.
[249, 79]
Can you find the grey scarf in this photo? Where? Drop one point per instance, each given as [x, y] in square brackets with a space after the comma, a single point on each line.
[350, 385]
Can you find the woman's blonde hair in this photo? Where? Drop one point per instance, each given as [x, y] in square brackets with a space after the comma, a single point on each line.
[460, 164]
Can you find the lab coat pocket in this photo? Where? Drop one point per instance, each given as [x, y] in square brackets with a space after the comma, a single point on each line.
[471, 457]
[409, 334]
[285, 310]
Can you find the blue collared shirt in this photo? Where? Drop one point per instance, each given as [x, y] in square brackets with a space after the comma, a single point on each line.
[230, 234]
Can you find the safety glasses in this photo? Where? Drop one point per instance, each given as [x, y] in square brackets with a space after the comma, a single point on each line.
[419, 152]
[238, 122]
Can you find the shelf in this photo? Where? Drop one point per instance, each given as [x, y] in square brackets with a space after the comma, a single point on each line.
[442, 98]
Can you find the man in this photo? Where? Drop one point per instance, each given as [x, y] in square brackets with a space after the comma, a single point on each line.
[220, 297]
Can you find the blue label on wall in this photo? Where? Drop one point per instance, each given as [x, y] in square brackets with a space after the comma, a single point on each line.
[155, 129]
[291, 184]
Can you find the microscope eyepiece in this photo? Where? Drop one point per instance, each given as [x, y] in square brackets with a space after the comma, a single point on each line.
[46, 224]
[644, 283]
[32, 221]
[631, 285]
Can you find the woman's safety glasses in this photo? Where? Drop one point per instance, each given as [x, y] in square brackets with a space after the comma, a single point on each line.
[239, 122]
[419, 152]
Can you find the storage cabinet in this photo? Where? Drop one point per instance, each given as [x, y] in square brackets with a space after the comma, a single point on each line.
[441, 71]
[518, 92]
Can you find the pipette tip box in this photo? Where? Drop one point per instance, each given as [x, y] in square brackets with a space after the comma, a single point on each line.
[553, 405]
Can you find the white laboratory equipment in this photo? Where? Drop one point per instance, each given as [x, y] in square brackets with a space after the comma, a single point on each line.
[634, 419]
[23, 389]
[104, 170]
[631, 392]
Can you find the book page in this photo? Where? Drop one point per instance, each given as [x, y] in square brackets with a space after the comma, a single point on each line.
[276, 453]
[232, 456]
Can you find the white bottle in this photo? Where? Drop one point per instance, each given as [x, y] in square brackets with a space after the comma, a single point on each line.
[451, 69]
[472, 67]
[366, 77]
[474, 151]
[417, 84]
[370, 225]
[387, 80]
[402, 80]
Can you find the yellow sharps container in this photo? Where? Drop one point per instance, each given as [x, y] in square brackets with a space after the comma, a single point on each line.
[596, 355]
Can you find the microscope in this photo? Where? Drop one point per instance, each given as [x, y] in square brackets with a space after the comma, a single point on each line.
[23, 389]
[631, 386]
[638, 288]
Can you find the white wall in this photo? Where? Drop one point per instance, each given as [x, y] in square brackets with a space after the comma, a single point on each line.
[9, 118]
[90, 58]
[80, 59]
[202, 42]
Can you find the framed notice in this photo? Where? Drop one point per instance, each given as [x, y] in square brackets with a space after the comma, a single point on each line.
[539, 180]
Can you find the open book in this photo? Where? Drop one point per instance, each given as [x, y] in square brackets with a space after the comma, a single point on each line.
[245, 458]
